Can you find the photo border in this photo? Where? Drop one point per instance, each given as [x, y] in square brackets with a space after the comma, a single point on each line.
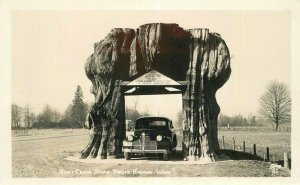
[6, 8]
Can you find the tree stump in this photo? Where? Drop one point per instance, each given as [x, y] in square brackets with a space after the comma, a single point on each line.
[194, 55]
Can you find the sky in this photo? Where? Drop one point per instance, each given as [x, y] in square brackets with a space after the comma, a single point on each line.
[49, 50]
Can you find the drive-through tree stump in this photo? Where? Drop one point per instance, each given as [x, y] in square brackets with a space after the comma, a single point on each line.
[195, 55]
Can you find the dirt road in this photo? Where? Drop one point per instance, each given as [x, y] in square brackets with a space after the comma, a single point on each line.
[43, 156]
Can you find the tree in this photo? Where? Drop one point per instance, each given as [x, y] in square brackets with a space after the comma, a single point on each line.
[179, 121]
[67, 118]
[251, 120]
[16, 116]
[236, 120]
[175, 52]
[46, 115]
[223, 120]
[133, 114]
[275, 103]
[29, 116]
[79, 108]
[48, 118]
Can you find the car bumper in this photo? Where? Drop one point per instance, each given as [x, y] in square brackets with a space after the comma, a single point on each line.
[140, 151]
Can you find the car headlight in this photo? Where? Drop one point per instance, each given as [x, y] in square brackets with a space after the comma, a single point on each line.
[130, 138]
[158, 138]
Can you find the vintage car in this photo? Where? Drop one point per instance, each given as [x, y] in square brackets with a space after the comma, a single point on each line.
[150, 136]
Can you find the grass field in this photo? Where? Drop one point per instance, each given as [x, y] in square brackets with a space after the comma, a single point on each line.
[278, 142]
[46, 132]
[41, 153]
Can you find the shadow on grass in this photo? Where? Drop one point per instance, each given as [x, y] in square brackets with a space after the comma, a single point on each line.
[238, 155]
[281, 162]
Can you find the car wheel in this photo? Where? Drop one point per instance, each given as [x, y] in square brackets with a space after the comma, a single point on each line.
[165, 157]
[174, 143]
[174, 151]
[127, 155]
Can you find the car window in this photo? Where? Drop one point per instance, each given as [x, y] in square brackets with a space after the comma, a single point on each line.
[157, 123]
[151, 124]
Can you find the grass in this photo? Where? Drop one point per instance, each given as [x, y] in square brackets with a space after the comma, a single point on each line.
[278, 142]
[46, 132]
[44, 158]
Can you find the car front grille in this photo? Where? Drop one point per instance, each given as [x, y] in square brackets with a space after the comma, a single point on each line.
[144, 143]
[147, 143]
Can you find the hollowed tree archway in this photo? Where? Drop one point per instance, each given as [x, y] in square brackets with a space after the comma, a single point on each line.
[196, 57]
[161, 100]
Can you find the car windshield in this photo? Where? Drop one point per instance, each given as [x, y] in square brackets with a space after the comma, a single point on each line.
[151, 124]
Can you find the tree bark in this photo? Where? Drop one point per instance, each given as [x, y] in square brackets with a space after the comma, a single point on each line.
[197, 56]
[276, 126]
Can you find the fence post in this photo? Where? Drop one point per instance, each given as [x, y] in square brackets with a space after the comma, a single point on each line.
[233, 144]
[254, 149]
[268, 154]
[264, 157]
[244, 146]
[223, 142]
[286, 160]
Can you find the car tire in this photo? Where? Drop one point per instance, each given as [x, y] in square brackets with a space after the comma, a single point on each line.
[127, 155]
[174, 151]
[165, 157]
[174, 143]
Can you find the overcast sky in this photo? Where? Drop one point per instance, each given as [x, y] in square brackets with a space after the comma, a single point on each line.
[49, 49]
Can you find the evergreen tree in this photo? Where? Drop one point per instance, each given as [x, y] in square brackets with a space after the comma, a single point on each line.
[79, 108]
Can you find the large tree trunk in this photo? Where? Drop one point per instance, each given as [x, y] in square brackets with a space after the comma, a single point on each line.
[197, 56]
[209, 69]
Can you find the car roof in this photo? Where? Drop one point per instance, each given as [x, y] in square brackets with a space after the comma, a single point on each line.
[153, 117]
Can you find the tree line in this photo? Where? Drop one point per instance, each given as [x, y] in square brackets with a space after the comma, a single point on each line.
[237, 120]
[275, 106]
[73, 117]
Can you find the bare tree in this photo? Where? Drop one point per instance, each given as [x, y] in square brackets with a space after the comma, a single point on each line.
[27, 116]
[16, 116]
[46, 116]
[275, 103]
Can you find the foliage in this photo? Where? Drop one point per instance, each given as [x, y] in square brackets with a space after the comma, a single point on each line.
[48, 118]
[75, 114]
[16, 116]
[237, 120]
[73, 117]
[29, 116]
[275, 103]
[22, 117]
[132, 114]
[79, 108]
